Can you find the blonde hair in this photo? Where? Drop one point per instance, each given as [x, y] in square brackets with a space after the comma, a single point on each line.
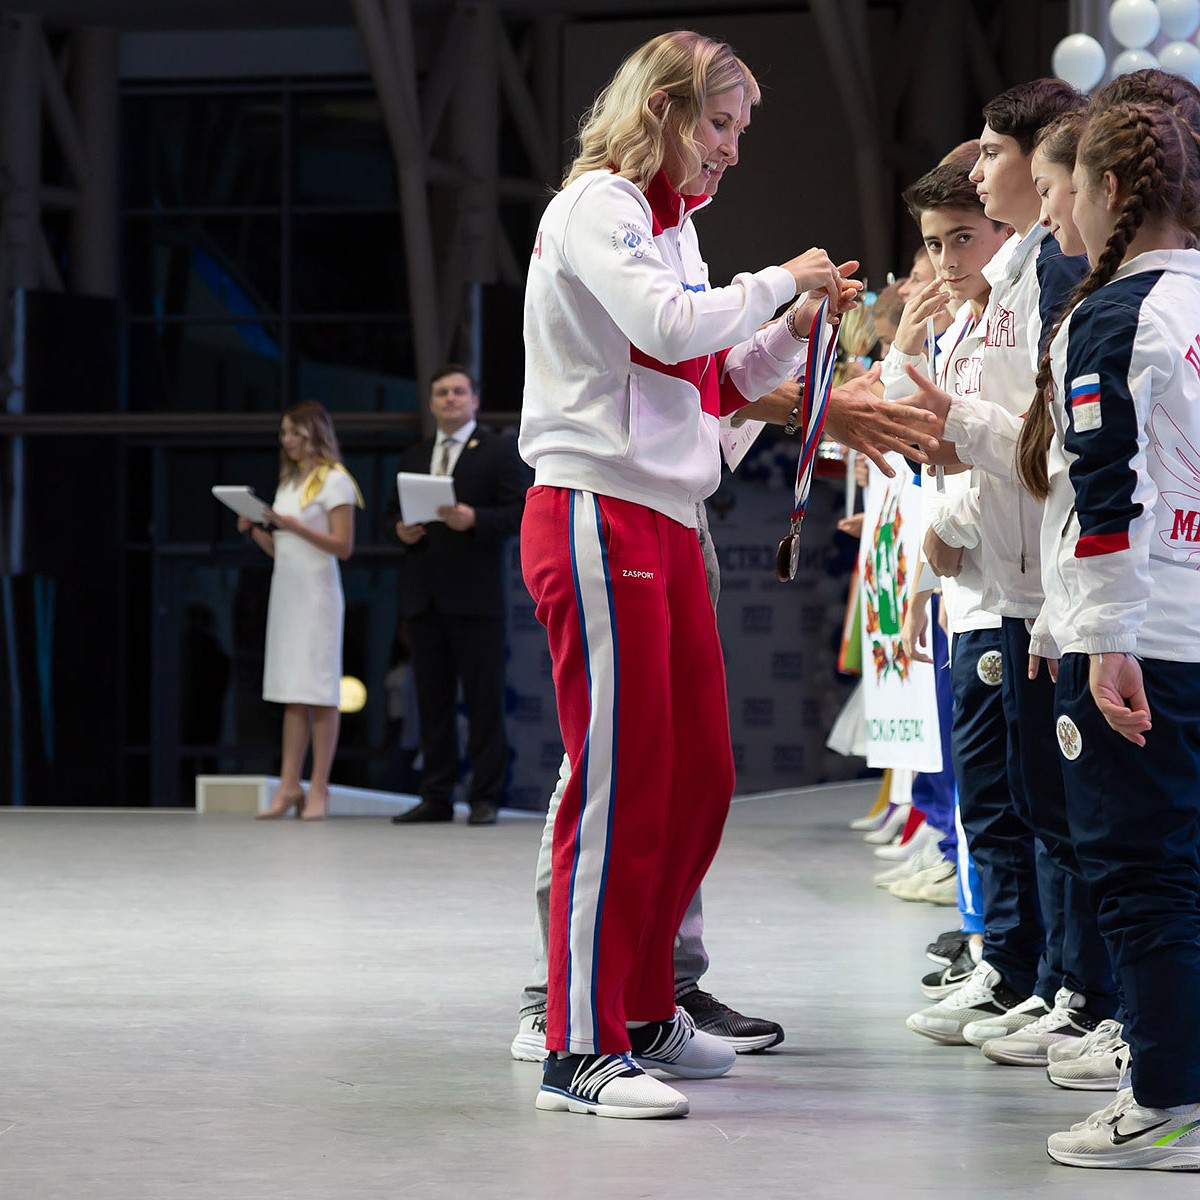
[621, 132]
[312, 420]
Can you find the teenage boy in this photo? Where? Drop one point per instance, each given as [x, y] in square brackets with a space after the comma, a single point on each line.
[962, 240]
[1031, 280]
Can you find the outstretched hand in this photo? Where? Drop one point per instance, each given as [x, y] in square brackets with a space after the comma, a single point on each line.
[1115, 681]
[862, 420]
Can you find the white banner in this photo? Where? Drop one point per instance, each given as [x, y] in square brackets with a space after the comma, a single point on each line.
[900, 700]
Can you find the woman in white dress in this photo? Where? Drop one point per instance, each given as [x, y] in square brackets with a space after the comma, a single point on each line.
[311, 528]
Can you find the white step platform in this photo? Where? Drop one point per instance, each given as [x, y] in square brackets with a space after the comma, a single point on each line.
[245, 795]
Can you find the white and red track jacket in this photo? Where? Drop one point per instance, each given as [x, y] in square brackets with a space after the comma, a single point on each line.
[1031, 281]
[958, 364]
[627, 371]
[1121, 536]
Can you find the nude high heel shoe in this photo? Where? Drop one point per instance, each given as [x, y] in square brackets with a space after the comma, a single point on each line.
[281, 805]
[314, 809]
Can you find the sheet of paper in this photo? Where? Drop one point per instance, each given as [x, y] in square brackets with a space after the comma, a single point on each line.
[736, 440]
[242, 500]
[422, 495]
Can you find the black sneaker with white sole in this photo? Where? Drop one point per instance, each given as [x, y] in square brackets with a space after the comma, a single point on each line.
[606, 1085]
[747, 1035]
[949, 979]
[947, 947]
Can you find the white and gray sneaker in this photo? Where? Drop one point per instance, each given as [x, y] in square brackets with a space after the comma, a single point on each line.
[1016, 1018]
[530, 1043]
[1074, 1047]
[1101, 1064]
[983, 995]
[928, 855]
[1068, 1019]
[607, 1085]
[679, 1048]
[1127, 1136]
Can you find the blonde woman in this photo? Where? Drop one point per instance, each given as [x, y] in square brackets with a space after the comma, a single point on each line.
[631, 359]
[311, 529]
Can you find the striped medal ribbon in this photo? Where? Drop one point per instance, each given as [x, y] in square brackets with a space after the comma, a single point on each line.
[814, 403]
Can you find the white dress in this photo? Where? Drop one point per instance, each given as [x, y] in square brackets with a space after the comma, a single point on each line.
[306, 609]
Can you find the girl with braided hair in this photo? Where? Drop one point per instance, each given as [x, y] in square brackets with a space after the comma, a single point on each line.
[1119, 393]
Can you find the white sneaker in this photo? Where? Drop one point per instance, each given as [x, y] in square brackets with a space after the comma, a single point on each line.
[1016, 1018]
[1127, 1136]
[608, 1085]
[911, 888]
[927, 855]
[1102, 1064]
[530, 1043]
[983, 995]
[898, 850]
[1068, 1019]
[679, 1048]
[892, 825]
[942, 891]
[871, 821]
[1061, 1051]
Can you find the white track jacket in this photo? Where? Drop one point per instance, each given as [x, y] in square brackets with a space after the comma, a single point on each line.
[627, 371]
[1121, 537]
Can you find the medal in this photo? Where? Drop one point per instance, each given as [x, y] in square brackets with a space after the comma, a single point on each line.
[787, 557]
[818, 382]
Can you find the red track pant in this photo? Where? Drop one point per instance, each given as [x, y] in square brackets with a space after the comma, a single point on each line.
[640, 687]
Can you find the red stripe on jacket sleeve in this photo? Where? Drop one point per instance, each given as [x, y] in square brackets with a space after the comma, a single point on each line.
[1092, 544]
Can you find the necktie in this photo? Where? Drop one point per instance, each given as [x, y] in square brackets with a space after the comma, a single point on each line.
[443, 466]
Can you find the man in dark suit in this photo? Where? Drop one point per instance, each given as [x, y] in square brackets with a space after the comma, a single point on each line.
[452, 598]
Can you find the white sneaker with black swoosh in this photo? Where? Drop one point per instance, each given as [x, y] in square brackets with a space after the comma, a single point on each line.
[1127, 1136]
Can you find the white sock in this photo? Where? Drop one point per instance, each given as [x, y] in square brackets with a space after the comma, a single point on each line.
[636, 1024]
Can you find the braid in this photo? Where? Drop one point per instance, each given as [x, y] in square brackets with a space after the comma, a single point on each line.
[1149, 181]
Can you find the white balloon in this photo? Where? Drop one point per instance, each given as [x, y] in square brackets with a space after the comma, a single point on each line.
[1180, 18]
[1181, 58]
[1080, 61]
[1133, 60]
[1134, 23]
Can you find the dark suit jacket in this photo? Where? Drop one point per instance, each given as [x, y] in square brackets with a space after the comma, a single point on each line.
[460, 573]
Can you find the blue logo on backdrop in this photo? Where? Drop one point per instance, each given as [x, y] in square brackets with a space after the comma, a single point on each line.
[552, 753]
[758, 711]
[758, 618]
[739, 756]
[787, 664]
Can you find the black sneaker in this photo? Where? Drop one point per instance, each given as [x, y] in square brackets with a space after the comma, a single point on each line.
[947, 947]
[609, 1085]
[747, 1035]
[949, 979]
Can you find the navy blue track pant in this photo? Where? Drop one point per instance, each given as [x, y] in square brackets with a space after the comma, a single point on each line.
[1135, 822]
[1075, 955]
[997, 836]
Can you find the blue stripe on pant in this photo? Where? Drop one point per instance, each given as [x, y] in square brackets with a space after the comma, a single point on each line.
[1135, 820]
[1076, 956]
[998, 839]
[933, 791]
[970, 888]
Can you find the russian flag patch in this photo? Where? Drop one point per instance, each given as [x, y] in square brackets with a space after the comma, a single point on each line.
[1085, 403]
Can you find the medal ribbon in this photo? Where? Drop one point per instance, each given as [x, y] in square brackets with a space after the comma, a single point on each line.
[818, 382]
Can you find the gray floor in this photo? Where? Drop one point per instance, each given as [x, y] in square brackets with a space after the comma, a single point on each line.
[213, 1007]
